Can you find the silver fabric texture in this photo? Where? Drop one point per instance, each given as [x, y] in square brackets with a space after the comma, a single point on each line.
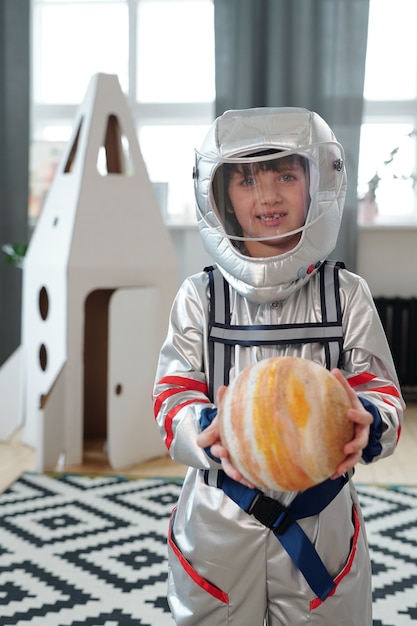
[223, 548]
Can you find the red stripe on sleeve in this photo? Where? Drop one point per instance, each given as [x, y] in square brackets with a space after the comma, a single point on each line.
[398, 434]
[389, 389]
[360, 379]
[163, 396]
[181, 384]
[170, 418]
[187, 383]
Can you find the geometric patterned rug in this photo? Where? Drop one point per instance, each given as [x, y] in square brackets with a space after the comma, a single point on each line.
[77, 550]
[391, 525]
[84, 551]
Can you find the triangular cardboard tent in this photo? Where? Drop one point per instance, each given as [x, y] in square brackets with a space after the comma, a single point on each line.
[98, 281]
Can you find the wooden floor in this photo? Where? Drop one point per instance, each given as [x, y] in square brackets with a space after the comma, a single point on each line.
[400, 468]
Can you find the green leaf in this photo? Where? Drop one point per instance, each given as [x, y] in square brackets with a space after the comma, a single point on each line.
[15, 253]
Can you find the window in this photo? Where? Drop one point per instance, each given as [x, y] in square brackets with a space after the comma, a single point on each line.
[163, 54]
[388, 135]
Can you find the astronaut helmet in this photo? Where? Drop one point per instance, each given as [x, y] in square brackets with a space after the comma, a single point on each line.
[270, 185]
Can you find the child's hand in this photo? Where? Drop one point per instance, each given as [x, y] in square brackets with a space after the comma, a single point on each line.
[362, 420]
[210, 437]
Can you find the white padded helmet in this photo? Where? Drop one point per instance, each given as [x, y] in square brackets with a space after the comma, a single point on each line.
[246, 136]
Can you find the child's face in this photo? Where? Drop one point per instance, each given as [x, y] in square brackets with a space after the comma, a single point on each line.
[270, 201]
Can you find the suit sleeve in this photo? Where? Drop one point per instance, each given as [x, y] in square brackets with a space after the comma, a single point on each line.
[180, 391]
[369, 368]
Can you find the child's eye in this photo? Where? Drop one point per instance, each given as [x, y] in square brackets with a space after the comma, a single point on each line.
[287, 178]
[248, 182]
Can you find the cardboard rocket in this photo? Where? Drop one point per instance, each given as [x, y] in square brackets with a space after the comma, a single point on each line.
[98, 282]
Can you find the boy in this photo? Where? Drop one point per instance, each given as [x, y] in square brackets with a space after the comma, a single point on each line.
[270, 187]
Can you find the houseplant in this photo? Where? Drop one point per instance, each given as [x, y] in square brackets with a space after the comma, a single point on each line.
[368, 203]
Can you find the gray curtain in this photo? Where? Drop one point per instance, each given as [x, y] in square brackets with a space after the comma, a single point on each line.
[14, 147]
[307, 53]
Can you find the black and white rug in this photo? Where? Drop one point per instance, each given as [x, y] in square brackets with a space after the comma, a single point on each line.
[84, 551]
[91, 551]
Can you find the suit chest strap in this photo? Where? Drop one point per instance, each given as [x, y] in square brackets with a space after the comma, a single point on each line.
[223, 335]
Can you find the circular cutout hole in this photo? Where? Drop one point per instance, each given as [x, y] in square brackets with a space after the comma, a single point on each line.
[43, 303]
[43, 357]
[118, 389]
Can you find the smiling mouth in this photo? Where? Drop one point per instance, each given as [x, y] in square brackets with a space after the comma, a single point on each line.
[271, 218]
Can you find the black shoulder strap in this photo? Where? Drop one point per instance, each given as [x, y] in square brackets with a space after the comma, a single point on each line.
[219, 314]
[331, 310]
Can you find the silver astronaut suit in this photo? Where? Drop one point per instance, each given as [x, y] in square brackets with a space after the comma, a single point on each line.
[226, 566]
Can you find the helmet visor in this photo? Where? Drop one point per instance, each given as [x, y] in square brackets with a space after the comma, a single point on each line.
[262, 199]
[272, 194]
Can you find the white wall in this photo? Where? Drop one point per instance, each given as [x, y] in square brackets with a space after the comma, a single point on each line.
[191, 255]
[387, 257]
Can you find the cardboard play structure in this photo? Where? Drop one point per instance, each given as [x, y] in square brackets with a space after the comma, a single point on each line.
[98, 282]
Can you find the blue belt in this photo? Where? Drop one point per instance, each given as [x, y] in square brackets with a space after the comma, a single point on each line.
[282, 521]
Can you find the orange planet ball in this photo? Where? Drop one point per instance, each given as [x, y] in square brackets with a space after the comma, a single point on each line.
[283, 421]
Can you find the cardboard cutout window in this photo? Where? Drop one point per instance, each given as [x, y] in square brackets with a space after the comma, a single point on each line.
[114, 154]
